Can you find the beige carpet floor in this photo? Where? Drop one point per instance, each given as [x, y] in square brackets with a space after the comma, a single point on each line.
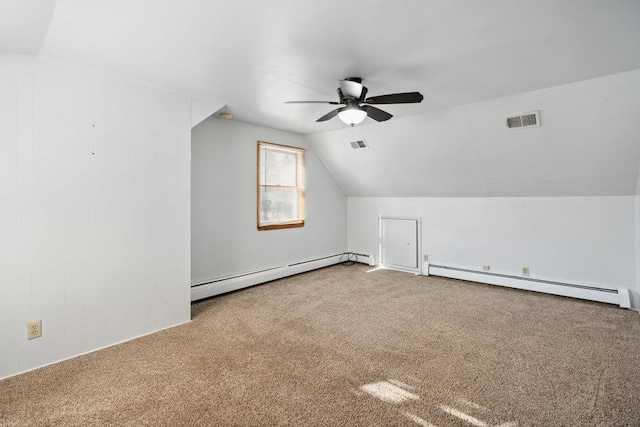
[343, 347]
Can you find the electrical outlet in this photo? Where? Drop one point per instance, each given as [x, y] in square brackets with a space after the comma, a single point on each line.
[486, 267]
[34, 329]
[525, 271]
[425, 258]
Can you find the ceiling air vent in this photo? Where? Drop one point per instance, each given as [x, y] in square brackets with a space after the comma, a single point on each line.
[358, 144]
[523, 120]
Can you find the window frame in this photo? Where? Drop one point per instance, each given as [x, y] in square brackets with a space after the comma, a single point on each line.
[300, 185]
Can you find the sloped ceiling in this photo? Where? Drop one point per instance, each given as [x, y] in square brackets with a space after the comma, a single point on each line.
[23, 25]
[587, 145]
[460, 54]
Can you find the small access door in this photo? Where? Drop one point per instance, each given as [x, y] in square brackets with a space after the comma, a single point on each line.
[400, 243]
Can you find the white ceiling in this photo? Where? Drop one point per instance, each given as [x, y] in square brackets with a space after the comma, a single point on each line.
[254, 55]
[23, 25]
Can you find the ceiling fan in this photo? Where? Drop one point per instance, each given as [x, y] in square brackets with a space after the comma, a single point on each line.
[352, 93]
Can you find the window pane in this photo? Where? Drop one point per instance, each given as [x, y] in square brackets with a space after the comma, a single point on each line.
[278, 168]
[278, 204]
[280, 186]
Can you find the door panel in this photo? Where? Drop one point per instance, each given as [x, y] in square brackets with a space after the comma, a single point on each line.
[399, 243]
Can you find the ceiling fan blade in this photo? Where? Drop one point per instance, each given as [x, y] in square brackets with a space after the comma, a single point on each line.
[351, 88]
[376, 113]
[313, 102]
[396, 98]
[329, 115]
[363, 94]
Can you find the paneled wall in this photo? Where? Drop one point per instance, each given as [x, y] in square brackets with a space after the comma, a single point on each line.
[94, 211]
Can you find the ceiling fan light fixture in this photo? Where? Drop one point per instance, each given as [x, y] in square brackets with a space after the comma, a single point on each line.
[352, 116]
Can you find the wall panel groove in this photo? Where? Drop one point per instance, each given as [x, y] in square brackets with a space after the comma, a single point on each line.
[25, 210]
[9, 76]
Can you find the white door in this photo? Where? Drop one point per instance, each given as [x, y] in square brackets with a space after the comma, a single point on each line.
[399, 243]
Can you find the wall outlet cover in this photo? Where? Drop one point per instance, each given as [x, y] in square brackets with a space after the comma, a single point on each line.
[34, 329]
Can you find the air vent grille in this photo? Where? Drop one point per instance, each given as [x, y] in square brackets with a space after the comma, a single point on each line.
[523, 120]
[358, 144]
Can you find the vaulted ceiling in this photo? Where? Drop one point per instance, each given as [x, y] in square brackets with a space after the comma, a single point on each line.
[577, 61]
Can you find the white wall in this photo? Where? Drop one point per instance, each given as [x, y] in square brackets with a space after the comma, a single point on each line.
[582, 240]
[94, 211]
[225, 239]
[636, 295]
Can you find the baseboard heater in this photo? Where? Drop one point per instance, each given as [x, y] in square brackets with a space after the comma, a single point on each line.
[361, 258]
[209, 288]
[612, 296]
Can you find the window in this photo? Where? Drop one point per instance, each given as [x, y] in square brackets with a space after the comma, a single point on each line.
[280, 186]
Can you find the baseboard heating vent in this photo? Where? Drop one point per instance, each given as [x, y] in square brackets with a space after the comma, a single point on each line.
[592, 293]
[361, 258]
[524, 120]
[212, 287]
